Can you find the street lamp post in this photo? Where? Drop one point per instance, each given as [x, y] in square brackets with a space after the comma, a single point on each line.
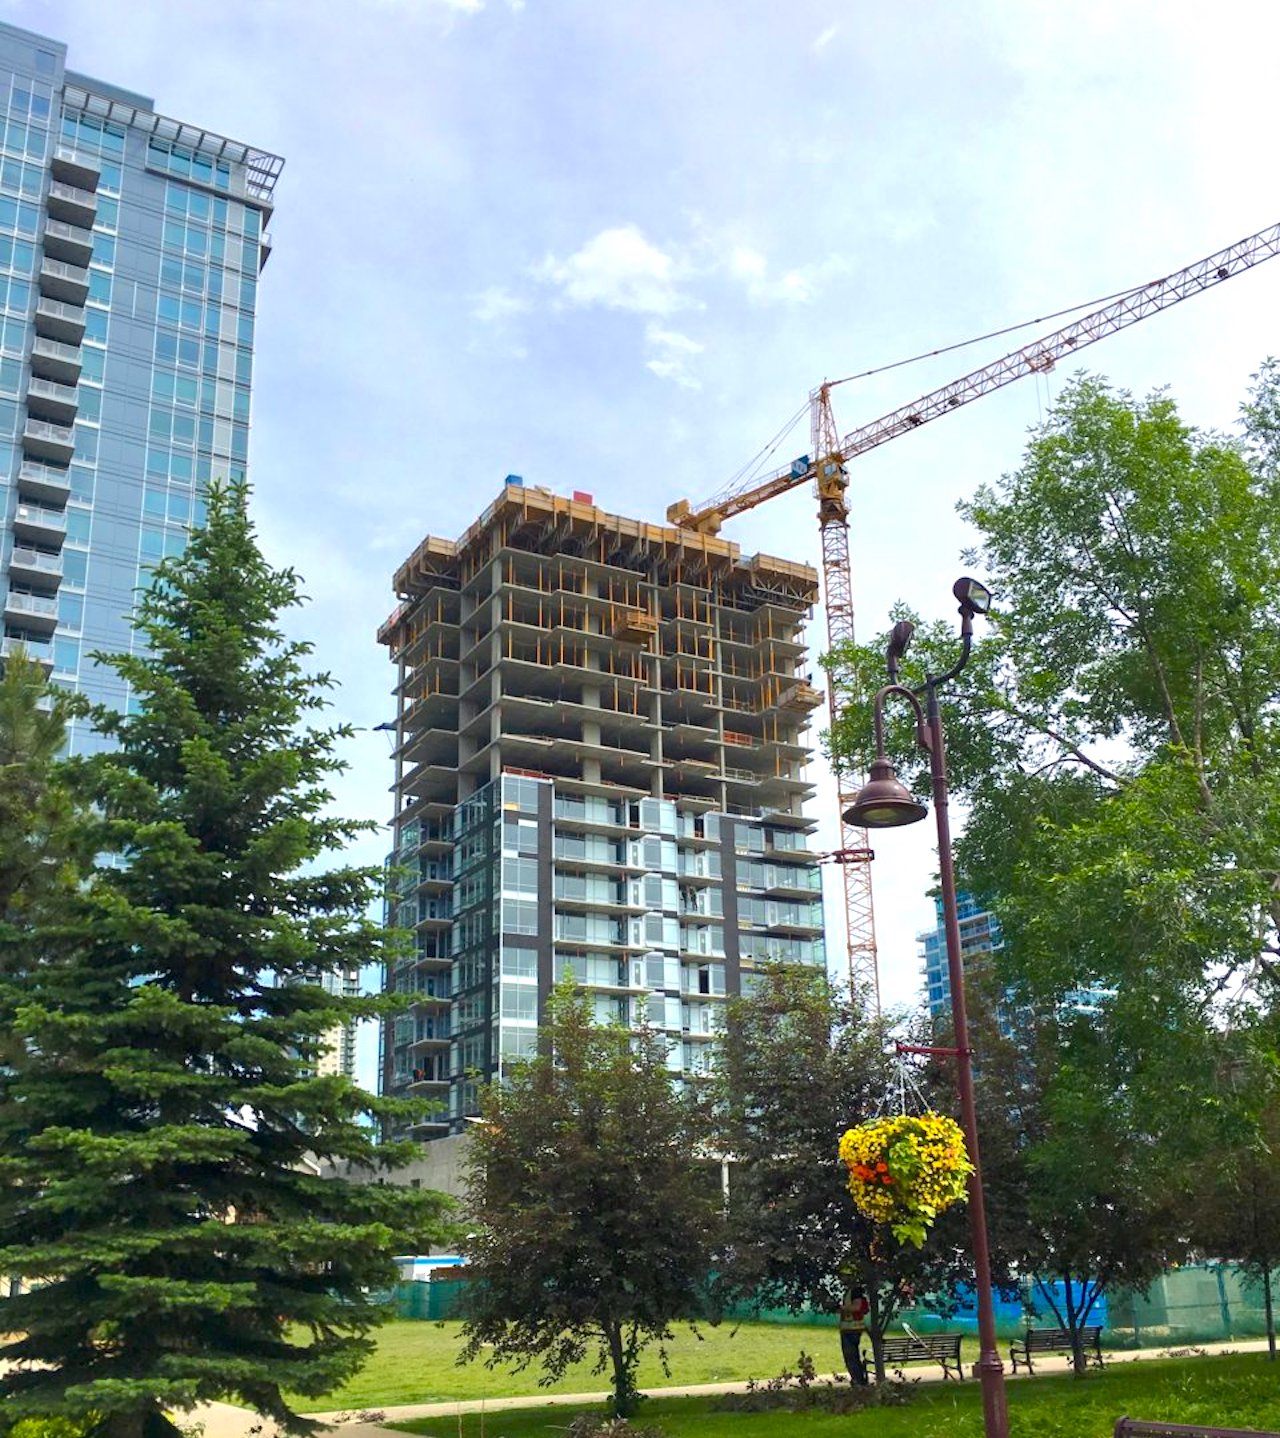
[884, 803]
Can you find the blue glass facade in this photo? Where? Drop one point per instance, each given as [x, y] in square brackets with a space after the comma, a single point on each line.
[130, 250]
[979, 936]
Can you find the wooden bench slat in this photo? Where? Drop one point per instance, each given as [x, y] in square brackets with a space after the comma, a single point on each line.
[1155, 1428]
[1055, 1340]
[943, 1348]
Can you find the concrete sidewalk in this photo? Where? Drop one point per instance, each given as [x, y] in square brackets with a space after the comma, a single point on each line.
[221, 1420]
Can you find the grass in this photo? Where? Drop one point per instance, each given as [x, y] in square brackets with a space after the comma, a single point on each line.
[1237, 1391]
[416, 1362]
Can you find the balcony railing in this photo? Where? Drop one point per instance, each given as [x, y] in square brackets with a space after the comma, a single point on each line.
[41, 482]
[33, 566]
[64, 241]
[51, 359]
[41, 650]
[36, 521]
[71, 203]
[75, 167]
[60, 320]
[47, 399]
[63, 281]
[49, 441]
[36, 610]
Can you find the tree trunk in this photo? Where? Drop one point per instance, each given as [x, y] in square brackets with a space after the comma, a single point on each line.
[623, 1394]
[1075, 1320]
[1271, 1317]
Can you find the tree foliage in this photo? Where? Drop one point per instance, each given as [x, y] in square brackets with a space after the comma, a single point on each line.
[1082, 1186]
[1115, 740]
[800, 1064]
[594, 1201]
[160, 1119]
[1120, 716]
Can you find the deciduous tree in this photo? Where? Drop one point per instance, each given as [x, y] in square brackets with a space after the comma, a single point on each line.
[594, 1203]
[801, 1064]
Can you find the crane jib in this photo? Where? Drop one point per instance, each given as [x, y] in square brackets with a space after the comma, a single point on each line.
[1038, 357]
[825, 464]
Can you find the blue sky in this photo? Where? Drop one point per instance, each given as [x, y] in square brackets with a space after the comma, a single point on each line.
[611, 245]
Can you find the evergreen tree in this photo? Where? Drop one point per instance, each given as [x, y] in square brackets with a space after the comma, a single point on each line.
[158, 1124]
[41, 830]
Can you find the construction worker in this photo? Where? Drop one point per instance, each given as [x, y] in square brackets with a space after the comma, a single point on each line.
[853, 1324]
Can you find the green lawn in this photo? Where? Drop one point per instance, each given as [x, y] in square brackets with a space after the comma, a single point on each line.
[1238, 1391]
[416, 1363]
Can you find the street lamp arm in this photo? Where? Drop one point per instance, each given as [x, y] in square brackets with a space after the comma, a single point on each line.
[923, 737]
[966, 648]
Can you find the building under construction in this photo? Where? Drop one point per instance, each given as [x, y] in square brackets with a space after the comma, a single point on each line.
[600, 768]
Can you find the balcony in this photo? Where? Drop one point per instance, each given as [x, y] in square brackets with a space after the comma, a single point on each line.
[43, 484]
[72, 204]
[67, 242]
[35, 612]
[58, 320]
[47, 399]
[33, 567]
[41, 650]
[40, 525]
[51, 359]
[61, 281]
[74, 167]
[49, 441]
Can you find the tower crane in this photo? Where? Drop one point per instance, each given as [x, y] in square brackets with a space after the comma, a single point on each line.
[826, 466]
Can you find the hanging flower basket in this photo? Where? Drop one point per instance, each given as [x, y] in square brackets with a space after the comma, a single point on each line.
[905, 1170]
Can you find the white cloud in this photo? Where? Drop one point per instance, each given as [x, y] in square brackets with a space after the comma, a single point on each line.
[825, 39]
[619, 269]
[673, 352]
[495, 305]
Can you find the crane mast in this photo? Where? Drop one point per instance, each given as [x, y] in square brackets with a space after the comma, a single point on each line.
[832, 483]
[826, 464]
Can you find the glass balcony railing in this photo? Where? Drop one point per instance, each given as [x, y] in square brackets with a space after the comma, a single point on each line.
[37, 516]
[35, 561]
[36, 606]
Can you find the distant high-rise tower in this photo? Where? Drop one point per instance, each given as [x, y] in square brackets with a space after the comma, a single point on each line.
[980, 937]
[130, 248]
[599, 771]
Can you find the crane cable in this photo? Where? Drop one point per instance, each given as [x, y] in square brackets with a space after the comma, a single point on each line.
[753, 466]
[992, 334]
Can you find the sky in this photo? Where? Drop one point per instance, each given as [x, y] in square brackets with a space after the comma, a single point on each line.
[611, 245]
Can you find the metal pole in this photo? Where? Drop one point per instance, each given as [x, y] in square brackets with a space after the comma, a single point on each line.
[995, 1412]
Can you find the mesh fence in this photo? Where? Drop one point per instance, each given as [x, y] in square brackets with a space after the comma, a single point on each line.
[1203, 1303]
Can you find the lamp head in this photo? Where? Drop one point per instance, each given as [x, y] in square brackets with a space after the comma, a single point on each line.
[975, 598]
[899, 643]
[883, 802]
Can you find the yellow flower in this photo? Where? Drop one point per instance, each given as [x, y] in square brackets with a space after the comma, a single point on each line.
[905, 1170]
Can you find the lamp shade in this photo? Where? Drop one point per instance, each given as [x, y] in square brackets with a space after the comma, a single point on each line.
[883, 802]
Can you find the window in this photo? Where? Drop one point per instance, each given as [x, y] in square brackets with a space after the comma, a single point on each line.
[519, 963]
[519, 1001]
[519, 916]
[520, 876]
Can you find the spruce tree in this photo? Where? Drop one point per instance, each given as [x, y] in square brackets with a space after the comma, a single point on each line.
[158, 1126]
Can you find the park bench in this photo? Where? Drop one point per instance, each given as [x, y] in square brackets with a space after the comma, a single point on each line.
[941, 1348]
[1054, 1340]
[1145, 1428]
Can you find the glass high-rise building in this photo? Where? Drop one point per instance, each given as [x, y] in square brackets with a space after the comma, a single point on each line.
[130, 249]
